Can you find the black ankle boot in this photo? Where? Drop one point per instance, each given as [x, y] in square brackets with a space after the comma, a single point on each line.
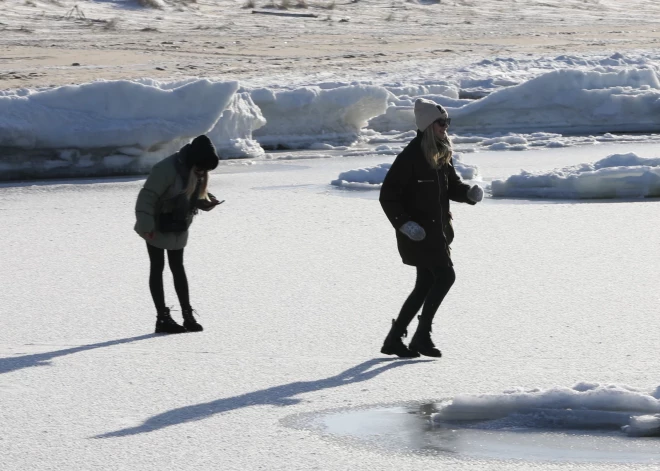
[189, 322]
[166, 325]
[393, 344]
[421, 342]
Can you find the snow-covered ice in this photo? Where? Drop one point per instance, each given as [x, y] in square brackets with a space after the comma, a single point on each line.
[534, 306]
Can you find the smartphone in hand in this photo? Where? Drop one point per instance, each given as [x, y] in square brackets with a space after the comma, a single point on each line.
[207, 205]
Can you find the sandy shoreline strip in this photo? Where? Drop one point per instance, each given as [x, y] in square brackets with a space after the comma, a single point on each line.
[39, 47]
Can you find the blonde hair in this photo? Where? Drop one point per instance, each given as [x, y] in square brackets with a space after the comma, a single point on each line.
[438, 152]
[192, 184]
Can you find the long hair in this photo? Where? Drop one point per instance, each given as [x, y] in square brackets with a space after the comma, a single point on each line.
[437, 151]
[192, 185]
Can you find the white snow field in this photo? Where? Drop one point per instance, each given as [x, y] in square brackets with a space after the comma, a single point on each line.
[296, 283]
[549, 335]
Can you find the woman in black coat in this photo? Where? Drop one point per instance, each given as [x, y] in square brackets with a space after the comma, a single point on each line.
[415, 197]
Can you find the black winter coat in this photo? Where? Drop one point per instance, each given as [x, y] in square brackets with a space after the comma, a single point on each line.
[415, 191]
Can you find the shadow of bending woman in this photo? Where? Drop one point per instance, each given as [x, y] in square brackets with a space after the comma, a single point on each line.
[283, 395]
[10, 364]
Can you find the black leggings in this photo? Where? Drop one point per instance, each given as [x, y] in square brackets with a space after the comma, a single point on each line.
[430, 289]
[175, 259]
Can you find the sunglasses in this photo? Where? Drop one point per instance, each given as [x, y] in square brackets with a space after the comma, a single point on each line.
[443, 122]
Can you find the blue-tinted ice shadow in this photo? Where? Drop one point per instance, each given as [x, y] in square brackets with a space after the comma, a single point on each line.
[283, 395]
[566, 201]
[43, 359]
[19, 183]
[347, 192]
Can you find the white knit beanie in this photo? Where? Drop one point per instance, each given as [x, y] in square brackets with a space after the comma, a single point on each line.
[426, 112]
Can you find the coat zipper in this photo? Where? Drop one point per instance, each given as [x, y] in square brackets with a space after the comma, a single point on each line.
[442, 220]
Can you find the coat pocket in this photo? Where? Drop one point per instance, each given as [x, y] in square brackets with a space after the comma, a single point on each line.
[168, 222]
[425, 196]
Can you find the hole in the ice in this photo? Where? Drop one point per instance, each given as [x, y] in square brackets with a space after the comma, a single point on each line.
[530, 435]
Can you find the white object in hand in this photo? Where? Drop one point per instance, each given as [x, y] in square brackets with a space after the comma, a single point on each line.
[475, 193]
[413, 230]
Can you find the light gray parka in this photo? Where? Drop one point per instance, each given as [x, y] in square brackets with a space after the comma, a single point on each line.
[156, 197]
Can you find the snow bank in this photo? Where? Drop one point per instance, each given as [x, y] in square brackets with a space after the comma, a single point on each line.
[585, 405]
[120, 127]
[561, 101]
[299, 118]
[569, 101]
[232, 134]
[400, 116]
[643, 426]
[444, 88]
[490, 74]
[371, 178]
[401, 98]
[616, 176]
[123, 127]
[395, 118]
[111, 114]
[105, 127]
[464, 170]
[368, 178]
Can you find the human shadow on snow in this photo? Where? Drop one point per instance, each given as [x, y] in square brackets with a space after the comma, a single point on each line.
[43, 359]
[276, 396]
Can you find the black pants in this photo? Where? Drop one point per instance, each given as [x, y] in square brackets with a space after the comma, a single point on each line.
[175, 259]
[431, 287]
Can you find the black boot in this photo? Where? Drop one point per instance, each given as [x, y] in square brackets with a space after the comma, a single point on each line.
[189, 322]
[393, 344]
[421, 342]
[165, 324]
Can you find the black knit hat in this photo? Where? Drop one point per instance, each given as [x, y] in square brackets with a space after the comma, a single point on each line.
[201, 154]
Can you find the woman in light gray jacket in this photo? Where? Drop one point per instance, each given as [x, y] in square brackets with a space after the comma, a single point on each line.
[175, 189]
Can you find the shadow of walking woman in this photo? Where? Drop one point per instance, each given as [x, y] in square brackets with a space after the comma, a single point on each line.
[283, 395]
